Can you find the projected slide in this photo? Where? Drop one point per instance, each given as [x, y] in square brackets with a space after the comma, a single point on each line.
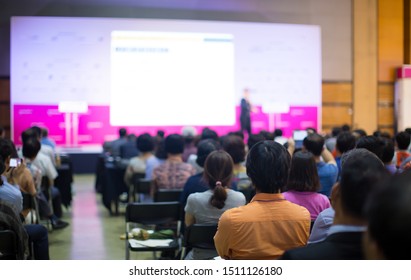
[83, 78]
[157, 76]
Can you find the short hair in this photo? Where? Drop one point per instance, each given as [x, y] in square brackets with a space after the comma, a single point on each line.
[37, 130]
[160, 152]
[303, 173]
[44, 132]
[388, 212]
[360, 173]
[254, 139]
[335, 131]
[235, 147]
[209, 134]
[31, 148]
[345, 127]
[6, 148]
[218, 167]
[388, 150]
[408, 130]
[403, 140]
[345, 142]
[174, 144]
[372, 144]
[268, 164]
[204, 148]
[314, 143]
[29, 133]
[122, 132]
[145, 143]
[278, 132]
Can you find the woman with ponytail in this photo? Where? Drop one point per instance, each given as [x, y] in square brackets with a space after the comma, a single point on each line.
[208, 206]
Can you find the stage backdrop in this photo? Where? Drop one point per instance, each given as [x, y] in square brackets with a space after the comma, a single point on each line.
[83, 78]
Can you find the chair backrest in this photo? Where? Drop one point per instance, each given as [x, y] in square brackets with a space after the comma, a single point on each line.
[141, 185]
[154, 213]
[200, 236]
[8, 245]
[28, 201]
[167, 195]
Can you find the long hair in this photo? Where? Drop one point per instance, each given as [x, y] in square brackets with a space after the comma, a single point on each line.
[303, 173]
[218, 171]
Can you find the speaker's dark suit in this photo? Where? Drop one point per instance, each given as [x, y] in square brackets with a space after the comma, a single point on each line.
[337, 246]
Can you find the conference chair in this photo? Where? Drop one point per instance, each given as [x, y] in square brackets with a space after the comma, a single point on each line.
[30, 204]
[160, 215]
[199, 236]
[8, 245]
[138, 186]
[163, 195]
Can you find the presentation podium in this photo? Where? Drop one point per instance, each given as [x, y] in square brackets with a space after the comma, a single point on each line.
[403, 98]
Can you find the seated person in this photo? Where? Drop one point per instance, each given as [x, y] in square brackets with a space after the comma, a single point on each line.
[402, 141]
[207, 207]
[303, 185]
[173, 173]
[388, 214]
[361, 171]
[138, 164]
[269, 224]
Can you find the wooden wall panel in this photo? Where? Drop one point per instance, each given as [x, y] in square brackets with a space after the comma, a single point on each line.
[4, 90]
[365, 65]
[385, 116]
[337, 92]
[336, 116]
[385, 94]
[390, 38]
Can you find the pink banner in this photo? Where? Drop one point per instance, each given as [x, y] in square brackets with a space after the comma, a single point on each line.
[93, 128]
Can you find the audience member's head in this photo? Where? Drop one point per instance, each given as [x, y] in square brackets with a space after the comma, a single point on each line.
[403, 140]
[372, 144]
[335, 131]
[408, 130]
[358, 133]
[361, 170]
[346, 127]
[189, 133]
[2, 168]
[345, 142]
[29, 133]
[388, 150]
[303, 173]
[311, 130]
[388, 213]
[314, 143]
[160, 150]
[254, 139]
[174, 144]
[145, 143]
[160, 134]
[122, 132]
[44, 132]
[31, 147]
[204, 148]
[209, 134]
[237, 133]
[37, 130]
[218, 171]
[268, 164]
[235, 147]
[267, 135]
[278, 132]
[6, 150]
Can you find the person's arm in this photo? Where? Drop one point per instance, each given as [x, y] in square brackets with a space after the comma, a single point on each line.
[223, 236]
[328, 157]
[189, 219]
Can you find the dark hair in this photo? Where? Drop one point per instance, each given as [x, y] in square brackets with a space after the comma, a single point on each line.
[235, 147]
[160, 133]
[345, 127]
[218, 171]
[387, 151]
[408, 130]
[2, 168]
[403, 140]
[204, 148]
[345, 142]
[314, 143]
[31, 147]
[29, 133]
[267, 135]
[388, 212]
[209, 134]
[174, 144]
[37, 130]
[237, 133]
[254, 139]
[6, 148]
[122, 132]
[360, 132]
[372, 144]
[335, 131]
[44, 132]
[145, 143]
[268, 164]
[161, 150]
[303, 173]
[360, 173]
[278, 132]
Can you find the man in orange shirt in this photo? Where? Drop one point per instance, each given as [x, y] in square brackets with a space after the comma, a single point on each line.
[269, 224]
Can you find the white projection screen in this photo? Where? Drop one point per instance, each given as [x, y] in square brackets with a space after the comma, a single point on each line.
[83, 78]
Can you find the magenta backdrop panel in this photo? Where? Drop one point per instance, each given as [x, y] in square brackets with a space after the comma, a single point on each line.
[93, 128]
